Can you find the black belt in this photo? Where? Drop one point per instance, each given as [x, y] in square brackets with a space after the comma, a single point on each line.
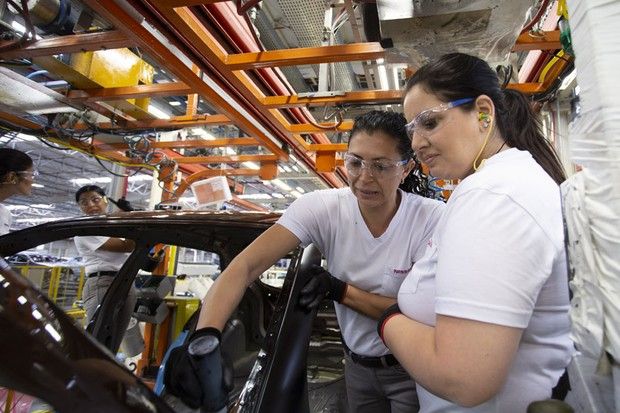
[98, 273]
[373, 362]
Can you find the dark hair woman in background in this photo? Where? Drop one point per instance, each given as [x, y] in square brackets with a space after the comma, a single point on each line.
[16, 177]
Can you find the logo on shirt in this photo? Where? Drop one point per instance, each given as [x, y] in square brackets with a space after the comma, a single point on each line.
[397, 271]
[430, 242]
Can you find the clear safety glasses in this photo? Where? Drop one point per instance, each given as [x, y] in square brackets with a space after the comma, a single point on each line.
[377, 168]
[93, 199]
[30, 174]
[428, 122]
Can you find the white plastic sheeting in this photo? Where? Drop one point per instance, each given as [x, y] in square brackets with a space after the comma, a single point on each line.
[424, 30]
[592, 197]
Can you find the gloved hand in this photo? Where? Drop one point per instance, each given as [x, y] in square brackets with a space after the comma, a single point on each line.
[389, 312]
[153, 260]
[321, 285]
[122, 204]
[197, 373]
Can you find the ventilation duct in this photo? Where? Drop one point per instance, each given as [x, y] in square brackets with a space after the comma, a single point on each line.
[424, 30]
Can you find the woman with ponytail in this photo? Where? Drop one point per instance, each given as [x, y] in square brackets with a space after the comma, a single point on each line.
[482, 319]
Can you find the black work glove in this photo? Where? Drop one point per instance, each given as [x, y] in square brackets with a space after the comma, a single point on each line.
[197, 373]
[321, 285]
[389, 312]
[153, 260]
[122, 204]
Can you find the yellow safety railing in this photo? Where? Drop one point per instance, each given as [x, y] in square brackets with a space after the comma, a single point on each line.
[60, 283]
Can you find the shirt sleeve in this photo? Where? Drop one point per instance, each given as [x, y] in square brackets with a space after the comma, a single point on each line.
[493, 260]
[303, 217]
[6, 220]
[85, 245]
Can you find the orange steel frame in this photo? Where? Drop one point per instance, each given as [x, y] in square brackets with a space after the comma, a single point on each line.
[232, 71]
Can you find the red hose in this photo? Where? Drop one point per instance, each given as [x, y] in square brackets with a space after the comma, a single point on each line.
[536, 18]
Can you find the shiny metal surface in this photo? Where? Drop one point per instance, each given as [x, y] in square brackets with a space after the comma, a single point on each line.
[45, 354]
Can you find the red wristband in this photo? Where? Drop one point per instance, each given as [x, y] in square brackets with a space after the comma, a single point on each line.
[384, 322]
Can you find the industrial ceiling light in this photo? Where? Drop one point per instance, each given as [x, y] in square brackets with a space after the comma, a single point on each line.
[86, 181]
[158, 113]
[140, 178]
[254, 196]
[250, 165]
[279, 183]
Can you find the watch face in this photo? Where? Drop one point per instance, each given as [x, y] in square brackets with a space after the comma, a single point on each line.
[203, 345]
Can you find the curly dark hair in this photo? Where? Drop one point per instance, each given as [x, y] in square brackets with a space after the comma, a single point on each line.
[393, 124]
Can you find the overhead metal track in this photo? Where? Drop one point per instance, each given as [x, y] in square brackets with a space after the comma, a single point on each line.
[125, 22]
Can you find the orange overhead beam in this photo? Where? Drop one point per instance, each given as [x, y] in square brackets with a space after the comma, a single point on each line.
[193, 143]
[130, 92]
[225, 159]
[119, 17]
[113, 39]
[383, 97]
[328, 147]
[544, 41]
[305, 56]
[345, 126]
[197, 35]
[172, 123]
[527, 88]
[191, 108]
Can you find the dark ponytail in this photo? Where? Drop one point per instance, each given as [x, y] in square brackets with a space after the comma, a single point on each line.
[417, 181]
[525, 127]
[457, 75]
[393, 124]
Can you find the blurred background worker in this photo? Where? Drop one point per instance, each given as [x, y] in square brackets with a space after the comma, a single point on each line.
[103, 257]
[16, 177]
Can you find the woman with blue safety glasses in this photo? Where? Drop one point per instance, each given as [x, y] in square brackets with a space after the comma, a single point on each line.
[484, 324]
[370, 233]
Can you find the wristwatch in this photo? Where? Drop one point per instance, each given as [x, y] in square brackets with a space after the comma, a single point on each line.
[203, 346]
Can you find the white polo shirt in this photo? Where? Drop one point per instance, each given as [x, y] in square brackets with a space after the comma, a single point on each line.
[95, 259]
[331, 220]
[6, 219]
[498, 257]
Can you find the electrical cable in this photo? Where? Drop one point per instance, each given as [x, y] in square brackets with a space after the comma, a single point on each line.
[339, 115]
[114, 173]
